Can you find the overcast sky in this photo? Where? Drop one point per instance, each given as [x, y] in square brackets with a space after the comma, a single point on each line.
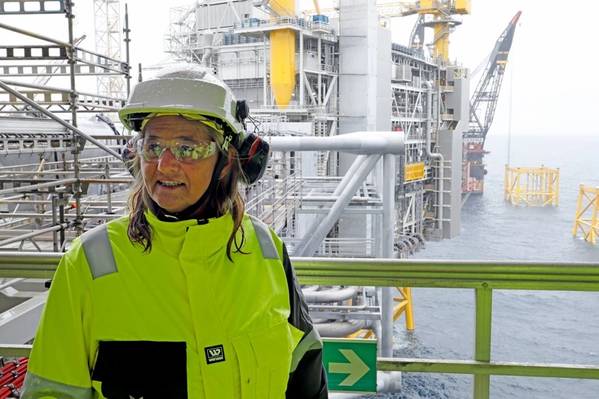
[554, 45]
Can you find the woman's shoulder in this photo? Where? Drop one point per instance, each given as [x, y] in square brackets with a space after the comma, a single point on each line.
[264, 233]
[93, 240]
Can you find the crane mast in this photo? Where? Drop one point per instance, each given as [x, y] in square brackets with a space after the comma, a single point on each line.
[482, 110]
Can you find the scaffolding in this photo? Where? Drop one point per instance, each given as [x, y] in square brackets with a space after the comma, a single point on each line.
[58, 175]
[587, 214]
[532, 186]
[107, 23]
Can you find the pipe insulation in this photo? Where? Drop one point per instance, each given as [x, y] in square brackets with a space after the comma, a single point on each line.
[337, 294]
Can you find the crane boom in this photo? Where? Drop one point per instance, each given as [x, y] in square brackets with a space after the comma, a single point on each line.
[482, 110]
[484, 99]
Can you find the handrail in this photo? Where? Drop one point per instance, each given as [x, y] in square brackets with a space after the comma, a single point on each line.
[482, 276]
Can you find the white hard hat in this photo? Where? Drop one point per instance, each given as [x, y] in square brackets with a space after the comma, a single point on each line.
[186, 89]
[195, 93]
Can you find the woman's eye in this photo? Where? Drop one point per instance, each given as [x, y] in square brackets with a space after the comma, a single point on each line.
[155, 148]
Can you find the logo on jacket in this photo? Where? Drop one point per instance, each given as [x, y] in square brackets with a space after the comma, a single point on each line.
[214, 354]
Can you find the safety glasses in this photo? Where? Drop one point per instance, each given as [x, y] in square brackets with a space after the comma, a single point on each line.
[151, 150]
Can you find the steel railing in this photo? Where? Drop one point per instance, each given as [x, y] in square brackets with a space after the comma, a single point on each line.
[482, 276]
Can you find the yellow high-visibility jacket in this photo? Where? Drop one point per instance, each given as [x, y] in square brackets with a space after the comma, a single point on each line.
[181, 321]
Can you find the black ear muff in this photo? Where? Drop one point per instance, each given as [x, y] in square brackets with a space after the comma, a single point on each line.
[242, 111]
[253, 154]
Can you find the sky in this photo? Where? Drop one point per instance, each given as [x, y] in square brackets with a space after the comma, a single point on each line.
[550, 81]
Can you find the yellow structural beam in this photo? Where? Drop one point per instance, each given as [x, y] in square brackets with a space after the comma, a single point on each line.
[531, 186]
[441, 11]
[462, 6]
[282, 55]
[587, 214]
[403, 306]
[441, 41]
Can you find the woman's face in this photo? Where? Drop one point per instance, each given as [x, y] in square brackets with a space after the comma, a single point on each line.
[175, 185]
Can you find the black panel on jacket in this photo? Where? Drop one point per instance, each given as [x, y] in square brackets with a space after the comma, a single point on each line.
[136, 369]
[309, 380]
[299, 316]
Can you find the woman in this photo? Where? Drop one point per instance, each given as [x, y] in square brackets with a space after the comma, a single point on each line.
[187, 296]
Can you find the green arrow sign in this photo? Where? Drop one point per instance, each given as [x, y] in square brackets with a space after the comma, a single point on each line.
[350, 364]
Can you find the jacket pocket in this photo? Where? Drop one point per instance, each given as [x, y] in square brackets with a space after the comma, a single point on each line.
[273, 349]
[247, 364]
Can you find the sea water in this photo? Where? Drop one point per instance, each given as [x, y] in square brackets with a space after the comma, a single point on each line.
[528, 326]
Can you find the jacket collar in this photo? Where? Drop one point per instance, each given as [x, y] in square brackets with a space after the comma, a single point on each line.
[190, 238]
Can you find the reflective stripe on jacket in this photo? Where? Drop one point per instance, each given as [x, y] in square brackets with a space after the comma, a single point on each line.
[181, 321]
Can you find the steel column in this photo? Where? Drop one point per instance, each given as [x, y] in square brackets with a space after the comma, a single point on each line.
[388, 241]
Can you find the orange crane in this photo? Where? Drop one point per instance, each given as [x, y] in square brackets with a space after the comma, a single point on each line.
[482, 110]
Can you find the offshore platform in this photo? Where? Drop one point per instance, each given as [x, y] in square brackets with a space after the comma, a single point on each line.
[367, 135]
[311, 74]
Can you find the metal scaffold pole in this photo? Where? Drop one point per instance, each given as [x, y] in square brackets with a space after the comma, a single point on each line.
[75, 141]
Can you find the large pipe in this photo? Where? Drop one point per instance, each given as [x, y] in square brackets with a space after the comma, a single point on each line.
[388, 242]
[357, 143]
[342, 328]
[329, 295]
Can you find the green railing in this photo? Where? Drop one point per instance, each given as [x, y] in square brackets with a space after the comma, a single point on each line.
[483, 277]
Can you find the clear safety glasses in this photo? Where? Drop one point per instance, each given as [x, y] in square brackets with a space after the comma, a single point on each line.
[151, 150]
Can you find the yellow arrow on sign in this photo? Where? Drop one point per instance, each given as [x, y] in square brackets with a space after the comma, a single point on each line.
[356, 368]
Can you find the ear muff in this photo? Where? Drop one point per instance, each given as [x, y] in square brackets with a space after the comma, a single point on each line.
[242, 111]
[253, 155]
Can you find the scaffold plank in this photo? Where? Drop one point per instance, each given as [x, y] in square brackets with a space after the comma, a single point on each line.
[12, 7]
[31, 70]
[39, 52]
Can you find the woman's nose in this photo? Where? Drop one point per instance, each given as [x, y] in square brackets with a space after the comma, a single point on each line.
[167, 160]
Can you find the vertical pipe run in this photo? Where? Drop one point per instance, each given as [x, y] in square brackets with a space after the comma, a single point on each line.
[388, 241]
[482, 345]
